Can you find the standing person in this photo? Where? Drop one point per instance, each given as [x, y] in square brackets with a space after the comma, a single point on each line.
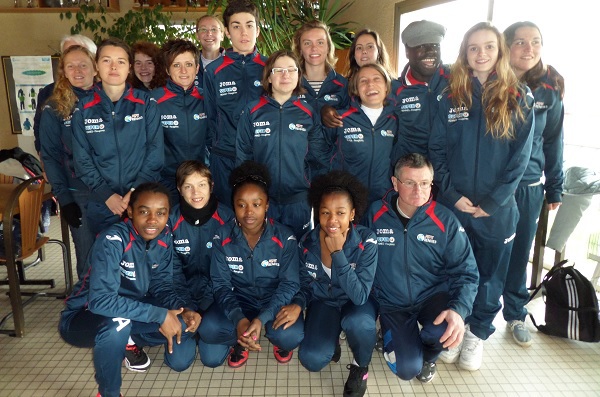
[279, 130]
[209, 33]
[148, 67]
[426, 274]
[480, 146]
[338, 261]
[182, 113]
[526, 44]
[133, 260]
[231, 82]
[76, 73]
[365, 145]
[118, 139]
[423, 79]
[254, 271]
[46, 92]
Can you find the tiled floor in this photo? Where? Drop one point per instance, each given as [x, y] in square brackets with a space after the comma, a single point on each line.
[41, 364]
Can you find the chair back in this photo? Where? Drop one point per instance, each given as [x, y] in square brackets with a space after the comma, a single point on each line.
[30, 208]
[6, 178]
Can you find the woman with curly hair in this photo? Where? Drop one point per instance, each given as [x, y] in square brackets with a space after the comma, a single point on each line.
[76, 74]
[338, 261]
[148, 66]
[254, 272]
[480, 146]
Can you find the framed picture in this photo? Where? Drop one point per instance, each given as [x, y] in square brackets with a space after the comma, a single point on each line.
[24, 77]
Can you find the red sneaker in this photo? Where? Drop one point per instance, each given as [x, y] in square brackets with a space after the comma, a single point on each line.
[237, 357]
[282, 356]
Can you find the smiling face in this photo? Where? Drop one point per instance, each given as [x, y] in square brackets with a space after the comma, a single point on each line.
[336, 212]
[372, 87]
[525, 50]
[365, 51]
[196, 190]
[183, 70]
[113, 65]
[250, 203]
[283, 84]
[79, 70]
[242, 31]
[149, 214]
[314, 47]
[424, 60]
[482, 53]
[143, 67]
[209, 34]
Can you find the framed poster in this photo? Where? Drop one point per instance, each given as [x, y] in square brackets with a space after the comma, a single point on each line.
[24, 77]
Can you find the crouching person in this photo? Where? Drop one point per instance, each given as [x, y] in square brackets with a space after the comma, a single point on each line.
[128, 262]
[426, 273]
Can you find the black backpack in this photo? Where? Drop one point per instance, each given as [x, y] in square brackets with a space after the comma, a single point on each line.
[571, 305]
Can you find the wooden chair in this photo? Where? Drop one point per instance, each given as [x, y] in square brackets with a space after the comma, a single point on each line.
[6, 178]
[26, 200]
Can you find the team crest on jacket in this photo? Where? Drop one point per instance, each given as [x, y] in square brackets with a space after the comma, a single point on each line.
[426, 238]
[296, 127]
[133, 117]
[331, 98]
[269, 263]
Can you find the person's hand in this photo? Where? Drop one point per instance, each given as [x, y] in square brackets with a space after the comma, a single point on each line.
[248, 333]
[115, 204]
[480, 213]
[330, 118]
[553, 206]
[72, 214]
[465, 205]
[336, 242]
[455, 329]
[192, 320]
[126, 198]
[287, 316]
[171, 327]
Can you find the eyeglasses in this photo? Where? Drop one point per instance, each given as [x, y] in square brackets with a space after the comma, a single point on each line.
[412, 184]
[211, 30]
[284, 70]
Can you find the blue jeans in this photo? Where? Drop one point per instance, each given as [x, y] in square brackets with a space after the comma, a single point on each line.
[218, 334]
[322, 329]
[411, 346]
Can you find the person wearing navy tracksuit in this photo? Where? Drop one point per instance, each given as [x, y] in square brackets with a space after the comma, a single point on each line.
[333, 92]
[129, 262]
[118, 139]
[479, 154]
[279, 131]
[525, 41]
[426, 267]
[366, 144]
[182, 112]
[56, 139]
[254, 271]
[230, 83]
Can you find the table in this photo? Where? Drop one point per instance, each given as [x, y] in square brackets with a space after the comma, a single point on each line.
[17, 305]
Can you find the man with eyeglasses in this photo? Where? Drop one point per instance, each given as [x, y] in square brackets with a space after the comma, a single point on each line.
[426, 272]
[209, 32]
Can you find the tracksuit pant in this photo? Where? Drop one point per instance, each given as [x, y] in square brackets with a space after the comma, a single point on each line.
[83, 237]
[322, 329]
[220, 168]
[295, 215]
[515, 296]
[406, 347]
[218, 334]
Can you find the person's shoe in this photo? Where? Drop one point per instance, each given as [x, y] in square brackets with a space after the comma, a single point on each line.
[379, 343]
[356, 385]
[282, 356]
[136, 359]
[471, 354]
[100, 395]
[337, 353]
[451, 356]
[520, 333]
[237, 357]
[343, 335]
[427, 372]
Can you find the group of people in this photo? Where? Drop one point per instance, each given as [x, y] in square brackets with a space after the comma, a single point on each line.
[215, 193]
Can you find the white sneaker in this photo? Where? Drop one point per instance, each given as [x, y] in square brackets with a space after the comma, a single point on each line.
[520, 333]
[471, 354]
[451, 356]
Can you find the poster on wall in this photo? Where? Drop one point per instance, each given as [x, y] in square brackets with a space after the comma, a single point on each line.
[24, 77]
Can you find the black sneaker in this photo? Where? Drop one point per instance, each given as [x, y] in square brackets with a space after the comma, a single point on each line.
[237, 356]
[337, 354]
[356, 385]
[379, 343]
[427, 372]
[136, 359]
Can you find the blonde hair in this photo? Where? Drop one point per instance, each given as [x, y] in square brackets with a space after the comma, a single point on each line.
[297, 43]
[63, 98]
[500, 95]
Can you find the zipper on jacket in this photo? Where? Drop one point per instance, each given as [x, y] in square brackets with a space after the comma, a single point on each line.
[406, 266]
[118, 151]
[280, 138]
[372, 157]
